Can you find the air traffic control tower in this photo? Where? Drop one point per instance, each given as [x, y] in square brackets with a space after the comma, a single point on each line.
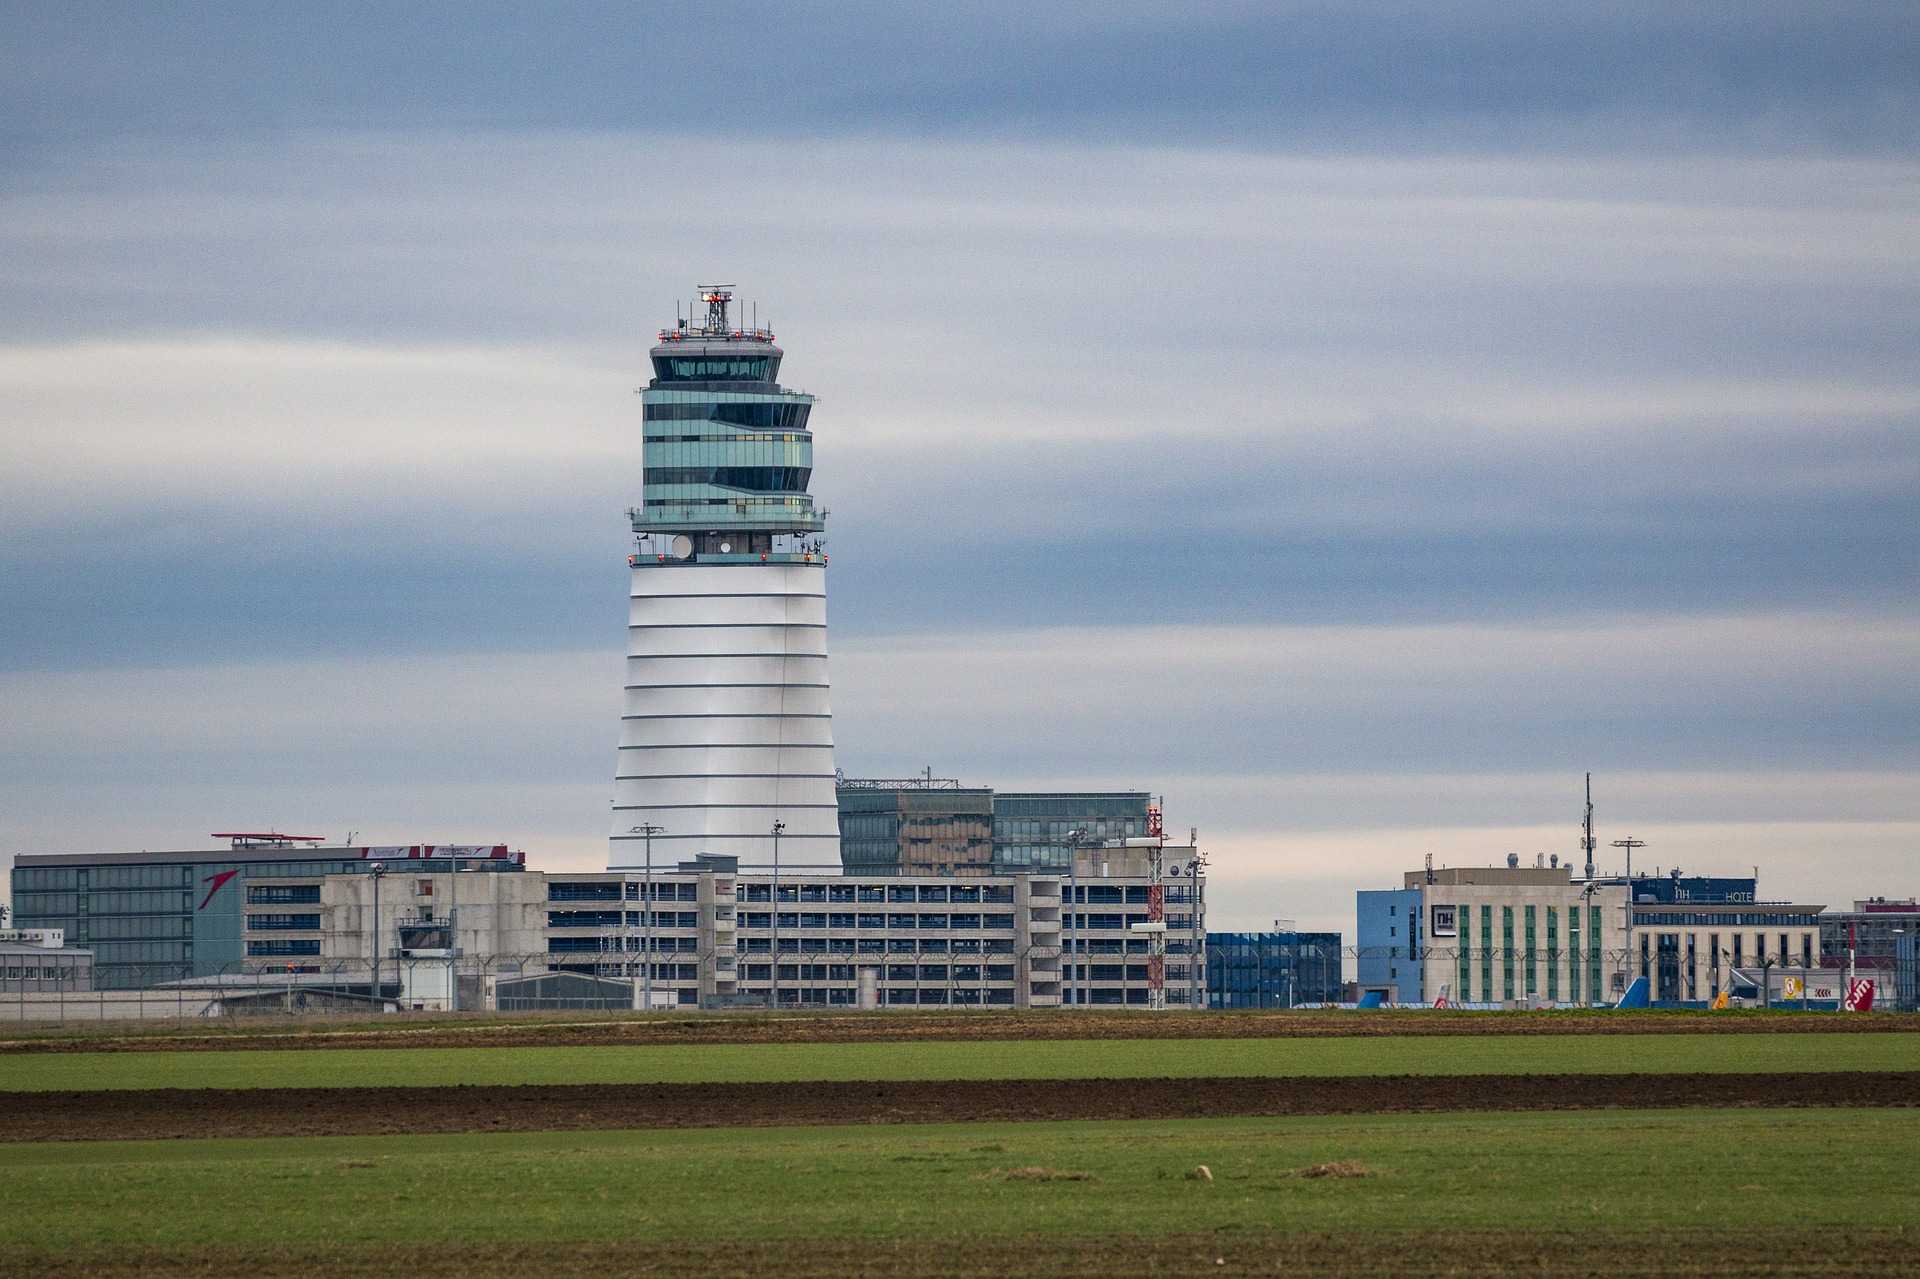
[727, 730]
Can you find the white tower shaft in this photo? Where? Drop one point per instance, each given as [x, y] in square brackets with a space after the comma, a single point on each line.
[728, 724]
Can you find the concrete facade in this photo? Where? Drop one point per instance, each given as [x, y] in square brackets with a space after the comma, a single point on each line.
[1492, 935]
[26, 968]
[707, 934]
[1518, 935]
[1506, 935]
[1688, 950]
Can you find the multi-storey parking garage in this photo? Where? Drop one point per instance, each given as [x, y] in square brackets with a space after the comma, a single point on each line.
[707, 934]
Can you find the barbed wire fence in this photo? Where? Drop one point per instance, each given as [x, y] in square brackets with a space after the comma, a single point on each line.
[810, 977]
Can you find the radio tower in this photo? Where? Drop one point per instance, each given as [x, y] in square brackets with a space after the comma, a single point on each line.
[1157, 910]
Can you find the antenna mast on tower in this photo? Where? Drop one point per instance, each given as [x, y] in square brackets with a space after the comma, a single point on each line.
[717, 296]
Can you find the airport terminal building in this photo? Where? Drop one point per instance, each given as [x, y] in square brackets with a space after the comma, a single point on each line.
[155, 917]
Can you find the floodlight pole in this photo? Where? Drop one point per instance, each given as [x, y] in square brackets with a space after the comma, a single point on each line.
[453, 935]
[1630, 843]
[778, 828]
[1196, 948]
[379, 872]
[647, 830]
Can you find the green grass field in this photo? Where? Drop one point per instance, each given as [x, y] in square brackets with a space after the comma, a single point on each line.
[478, 1199]
[1021, 1059]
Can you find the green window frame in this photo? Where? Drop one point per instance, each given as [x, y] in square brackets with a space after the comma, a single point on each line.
[1464, 991]
[1596, 988]
[1532, 957]
[1486, 953]
[1553, 953]
[1506, 952]
[1573, 954]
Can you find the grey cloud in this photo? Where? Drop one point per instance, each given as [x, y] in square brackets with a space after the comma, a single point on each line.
[1643, 74]
[1378, 389]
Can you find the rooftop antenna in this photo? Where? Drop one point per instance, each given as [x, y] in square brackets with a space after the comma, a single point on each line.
[1429, 868]
[717, 297]
[1586, 828]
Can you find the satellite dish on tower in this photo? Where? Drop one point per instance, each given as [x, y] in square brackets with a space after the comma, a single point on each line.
[682, 546]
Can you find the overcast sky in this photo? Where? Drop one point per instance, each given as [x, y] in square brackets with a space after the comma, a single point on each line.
[1353, 421]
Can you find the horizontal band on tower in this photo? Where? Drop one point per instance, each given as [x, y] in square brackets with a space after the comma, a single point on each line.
[633, 808]
[716, 626]
[661, 777]
[732, 746]
[738, 715]
[635, 687]
[733, 595]
[711, 656]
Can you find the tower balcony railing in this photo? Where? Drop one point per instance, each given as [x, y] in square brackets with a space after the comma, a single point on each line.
[757, 557]
[702, 519]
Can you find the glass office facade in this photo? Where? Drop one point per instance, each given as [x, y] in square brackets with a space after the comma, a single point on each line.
[916, 830]
[1272, 970]
[1030, 828]
[1008, 831]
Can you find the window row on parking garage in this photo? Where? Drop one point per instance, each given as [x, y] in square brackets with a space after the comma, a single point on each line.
[622, 919]
[828, 894]
[892, 893]
[930, 922]
[865, 945]
[608, 890]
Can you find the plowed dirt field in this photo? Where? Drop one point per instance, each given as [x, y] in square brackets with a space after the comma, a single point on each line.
[269, 1112]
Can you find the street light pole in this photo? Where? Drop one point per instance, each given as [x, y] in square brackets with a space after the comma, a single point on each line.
[378, 872]
[648, 830]
[778, 827]
[453, 935]
[1630, 843]
[1196, 947]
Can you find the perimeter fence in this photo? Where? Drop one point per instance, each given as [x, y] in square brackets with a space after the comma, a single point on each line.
[1235, 976]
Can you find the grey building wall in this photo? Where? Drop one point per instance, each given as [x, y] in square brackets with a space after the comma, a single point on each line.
[43, 969]
[154, 917]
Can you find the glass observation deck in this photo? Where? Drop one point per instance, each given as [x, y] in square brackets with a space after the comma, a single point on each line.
[726, 453]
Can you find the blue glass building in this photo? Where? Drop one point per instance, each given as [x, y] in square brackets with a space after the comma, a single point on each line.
[1272, 970]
